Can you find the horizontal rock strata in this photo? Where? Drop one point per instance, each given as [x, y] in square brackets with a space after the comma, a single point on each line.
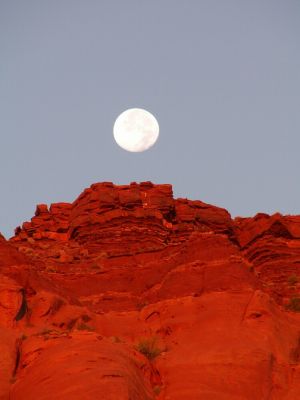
[128, 293]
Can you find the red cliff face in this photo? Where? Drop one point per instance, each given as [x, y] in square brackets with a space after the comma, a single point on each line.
[128, 293]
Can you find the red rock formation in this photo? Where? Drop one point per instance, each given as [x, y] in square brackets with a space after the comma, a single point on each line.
[128, 293]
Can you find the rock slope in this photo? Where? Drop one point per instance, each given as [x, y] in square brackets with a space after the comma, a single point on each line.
[128, 293]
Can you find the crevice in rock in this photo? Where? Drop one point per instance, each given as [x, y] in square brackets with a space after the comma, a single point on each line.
[170, 216]
[23, 309]
[18, 357]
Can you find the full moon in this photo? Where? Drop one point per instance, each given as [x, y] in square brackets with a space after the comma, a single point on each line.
[136, 130]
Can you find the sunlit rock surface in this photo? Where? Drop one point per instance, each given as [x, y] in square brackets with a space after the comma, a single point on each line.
[128, 293]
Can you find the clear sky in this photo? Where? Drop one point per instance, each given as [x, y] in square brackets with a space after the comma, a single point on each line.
[221, 77]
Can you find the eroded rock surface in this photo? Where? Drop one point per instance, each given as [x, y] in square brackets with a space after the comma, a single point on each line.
[128, 293]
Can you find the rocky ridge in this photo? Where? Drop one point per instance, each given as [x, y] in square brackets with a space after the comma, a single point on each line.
[128, 293]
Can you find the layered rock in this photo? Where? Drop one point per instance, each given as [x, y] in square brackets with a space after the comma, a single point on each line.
[128, 293]
[272, 245]
[123, 220]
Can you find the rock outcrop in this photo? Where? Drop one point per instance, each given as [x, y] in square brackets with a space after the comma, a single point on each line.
[128, 293]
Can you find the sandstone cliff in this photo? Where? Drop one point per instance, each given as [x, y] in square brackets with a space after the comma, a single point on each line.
[128, 293]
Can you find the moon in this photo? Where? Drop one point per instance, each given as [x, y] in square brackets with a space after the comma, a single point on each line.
[136, 130]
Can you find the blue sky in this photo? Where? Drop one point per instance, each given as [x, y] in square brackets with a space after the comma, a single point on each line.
[222, 79]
